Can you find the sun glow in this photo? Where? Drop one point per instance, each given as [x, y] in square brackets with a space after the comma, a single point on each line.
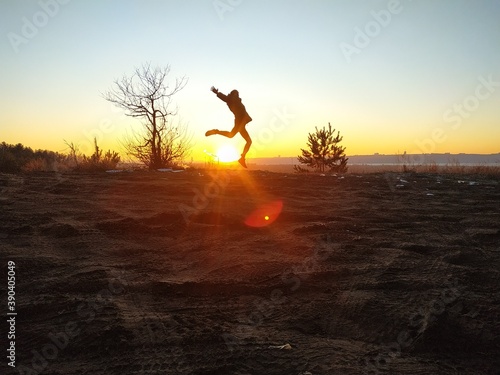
[227, 153]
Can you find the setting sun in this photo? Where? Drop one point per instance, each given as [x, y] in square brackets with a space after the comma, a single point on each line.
[227, 153]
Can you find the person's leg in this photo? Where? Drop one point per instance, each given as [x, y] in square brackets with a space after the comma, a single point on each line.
[225, 133]
[247, 138]
[229, 134]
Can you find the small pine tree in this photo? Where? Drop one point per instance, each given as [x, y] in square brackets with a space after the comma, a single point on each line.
[324, 152]
[96, 162]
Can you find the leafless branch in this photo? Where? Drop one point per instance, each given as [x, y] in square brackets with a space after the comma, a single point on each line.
[147, 95]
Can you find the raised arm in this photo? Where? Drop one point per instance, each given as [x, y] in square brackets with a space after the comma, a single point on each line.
[220, 95]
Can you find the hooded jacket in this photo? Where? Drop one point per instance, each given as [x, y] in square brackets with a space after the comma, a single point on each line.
[236, 106]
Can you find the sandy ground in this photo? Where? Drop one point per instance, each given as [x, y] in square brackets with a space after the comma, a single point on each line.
[157, 273]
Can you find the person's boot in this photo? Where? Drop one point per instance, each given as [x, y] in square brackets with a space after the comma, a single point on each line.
[242, 161]
[211, 132]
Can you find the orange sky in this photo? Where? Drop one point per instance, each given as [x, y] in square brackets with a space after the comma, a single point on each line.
[420, 77]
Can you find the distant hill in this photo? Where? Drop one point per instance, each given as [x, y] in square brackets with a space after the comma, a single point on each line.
[379, 159]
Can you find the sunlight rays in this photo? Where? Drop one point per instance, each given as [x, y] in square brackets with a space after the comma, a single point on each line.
[267, 209]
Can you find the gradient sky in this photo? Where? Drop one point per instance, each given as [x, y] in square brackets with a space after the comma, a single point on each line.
[392, 76]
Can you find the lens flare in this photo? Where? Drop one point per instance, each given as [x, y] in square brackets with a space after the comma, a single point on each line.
[264, 215]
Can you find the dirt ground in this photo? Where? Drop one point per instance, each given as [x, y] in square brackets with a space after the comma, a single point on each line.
[157, 273]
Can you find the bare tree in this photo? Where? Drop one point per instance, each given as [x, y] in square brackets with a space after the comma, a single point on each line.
[147, 95]
[73, 152]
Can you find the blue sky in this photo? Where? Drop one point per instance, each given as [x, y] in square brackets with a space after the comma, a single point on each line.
[412, 83]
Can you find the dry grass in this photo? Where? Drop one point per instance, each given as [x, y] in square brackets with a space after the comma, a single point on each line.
[44, 165]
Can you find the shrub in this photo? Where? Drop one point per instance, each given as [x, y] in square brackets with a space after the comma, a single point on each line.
[323, 152]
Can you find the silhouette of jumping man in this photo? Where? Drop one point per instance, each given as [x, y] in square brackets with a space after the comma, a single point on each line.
[241, 118]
